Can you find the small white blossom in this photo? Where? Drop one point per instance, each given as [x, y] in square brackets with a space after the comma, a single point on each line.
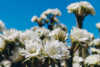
[56, 49]
[32, 49]
[29, 35]
[77, 59]
[80, 35]
[55, 12]
[58, 34]
[43, 16]
[73, 7]
[6, 63]
[93, 59]
[61, 26]
[95, 50]
[34, 19]
[2, 26]
[98, 25]
[11, 34]
[42, 31]
[77, 65]
[95, 42]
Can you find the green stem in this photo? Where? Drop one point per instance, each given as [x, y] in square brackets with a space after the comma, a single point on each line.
[91, 65]
[64, 63]
[84, 51]
[79, 20]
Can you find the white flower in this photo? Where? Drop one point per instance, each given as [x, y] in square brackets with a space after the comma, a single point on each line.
[11, 34]
[42, 31]
[73, 7]
[58, 34]
[2, 26]
[56, 50]
[95, 42]
[62, 26]
[55, 19]
[55, 12]
[93, 59]
[6, 63]
[32, 49]
[2, 44]
[98, 25]
[81, 7]
[34, 19]
[80, 35]
[43, 16]
[77, 65]
[77, 59]
[29, 35]
[95, 50]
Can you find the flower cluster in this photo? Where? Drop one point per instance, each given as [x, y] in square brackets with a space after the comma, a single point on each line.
[93, 59]
[48, 44]
[38, 42]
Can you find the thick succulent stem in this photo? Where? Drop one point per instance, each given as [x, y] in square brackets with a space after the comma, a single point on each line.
[64, 64]
[83, 53]
[79, 20]
[91, 65]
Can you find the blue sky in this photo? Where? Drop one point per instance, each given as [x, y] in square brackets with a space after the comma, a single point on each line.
[17, 13]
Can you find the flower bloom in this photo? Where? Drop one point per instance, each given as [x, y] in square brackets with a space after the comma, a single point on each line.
[98, 25]
[32, 49]
[34, 19]
[94, 50]
[58, 34]
[6, 63]
[11, 34]
[95, 42]
[29, 35]
[80, 35]
[82, 7]
[93, 59]
[2, 26]
[56, 50]
[55, 12]
[41, 31]
[77, 59]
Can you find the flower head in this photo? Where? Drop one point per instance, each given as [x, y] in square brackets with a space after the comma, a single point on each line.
[58, 34]
[94, 50]
[81, 35]
[55, 12]
[77, 59]
[56, 50]
[41, 31]
[61, 26]
[29, 35]
[6, 63]
[98, 25]
[11, 34]
[2, 26]
[32, 49]
[93, 59]
[95, 42]
[34, 19]
[81, 8]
